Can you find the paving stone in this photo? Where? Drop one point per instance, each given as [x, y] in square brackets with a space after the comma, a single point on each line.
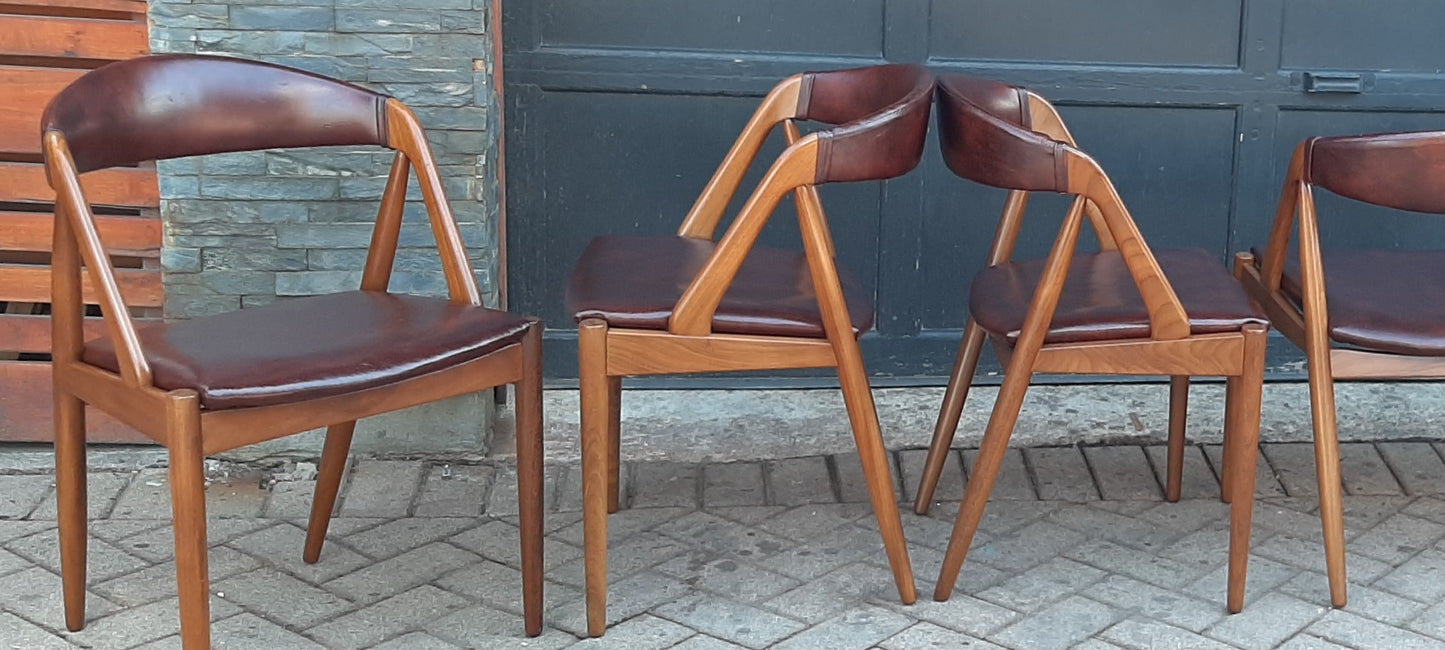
[1267, 622]
[927, 636]
[1363, 512]
[10, 562]
[1123, 473]
[159, 581]
[101, 491]
[1096, 644]
[20, 494]
[1126, 530]
[1307, 642]
[416, 641]
[461, 493]
[705, 642]
[136, 625]
[733, 484]
[811, 521]
[566, 489]
[484, 628]
[726, 576]
[1042, 585]
[1013, 483]
[281, 598]
[730, 620]
[103, 560]
[1061, 474]
[36, 594]
[382, 488]
[1364, 471]
[1294, 464]
[10, 529]
[250, 632]
[159, 544]
[115, 530]
[1272, 514]
[1431, 622]
[235, 498]
[825, 597]
[639, 552]
[910, 471]
[796, 481]
[148, 496]
[960, 613]
[656, 485]
[1114, 558]
[499, 586]
[281, 546]
[1146, 634]
[1366, 601]
[1416, 464]
[722, 536]
[1310, 554]
[626, 598]
[1198, 480]
[1058, 626]
[859, 628]
[642, 633]
[20, 633]
[401, 573]
[1155, 603]
[1267, 481]
[395, 537]
[1397, 539]
[810, 560]
[500, 541]
[852, 485]
[1357, 632]
[290, 500]
[1023, 548]
[748, 515]
[402, 613]
[620, 525]
[502, 495]
[1421, 577]
[1264, 575]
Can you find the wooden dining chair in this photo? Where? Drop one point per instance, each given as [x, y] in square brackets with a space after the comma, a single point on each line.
[1357, 313]
[688, 303]
[1123, 310]
[212, 384]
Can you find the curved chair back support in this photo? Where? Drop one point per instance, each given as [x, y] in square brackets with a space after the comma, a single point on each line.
[1396, 170]
[171, 106]
[985, 131]
[883, 116]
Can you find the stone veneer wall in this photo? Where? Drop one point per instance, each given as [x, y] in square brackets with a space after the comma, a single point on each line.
[247, 229]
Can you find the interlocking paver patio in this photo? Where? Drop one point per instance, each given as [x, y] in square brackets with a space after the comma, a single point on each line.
[780, 553]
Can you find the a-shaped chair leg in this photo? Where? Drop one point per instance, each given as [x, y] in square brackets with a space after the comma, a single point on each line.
[1178, 416]
[70, 496]
[954, 398]
[1231, 399]
[529, 478]
[1327, 469]
[328, 486]
[593, 384]
[1242, 443]
[188, 504]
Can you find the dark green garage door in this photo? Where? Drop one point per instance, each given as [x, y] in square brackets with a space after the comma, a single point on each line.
[619, 110]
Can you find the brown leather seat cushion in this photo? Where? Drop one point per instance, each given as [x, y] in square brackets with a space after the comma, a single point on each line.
[1385, 301]
[315, 347]
[634, 282]
[1100, 301]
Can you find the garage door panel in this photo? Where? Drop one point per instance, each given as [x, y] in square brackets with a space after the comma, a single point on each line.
[634, 164]
[837, 27]
[1353, 35]
[1199, 32]
[1345, 223]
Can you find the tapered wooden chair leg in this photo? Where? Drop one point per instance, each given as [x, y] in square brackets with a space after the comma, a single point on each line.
[188, 503]
[1231, 417]
[980, 480]
[1243, 440]
[858, 398]
[1178, 415]
[328, 485]
[614, 442]
[529, 478]
[1327, 468]
[70, 491]
[954, 397]
[592, 380]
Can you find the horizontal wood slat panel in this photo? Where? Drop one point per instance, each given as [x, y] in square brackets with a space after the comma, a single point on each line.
[25, 93]
[32, 333]
[22, 283]
[25, 182]
[72, 7]
[27, 409]
[81, 38]
[31, 231]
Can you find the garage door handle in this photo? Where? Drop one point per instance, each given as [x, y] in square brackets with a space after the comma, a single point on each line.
[1333, 82]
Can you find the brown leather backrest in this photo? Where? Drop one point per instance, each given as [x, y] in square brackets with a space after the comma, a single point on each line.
[171, 106]
[883, 113]
[983, 127]
[1398, 170]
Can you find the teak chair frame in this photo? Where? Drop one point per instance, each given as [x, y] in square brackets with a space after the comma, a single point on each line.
[607, 354]
[176, 420]
[1170, 350]
[1308, 327]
